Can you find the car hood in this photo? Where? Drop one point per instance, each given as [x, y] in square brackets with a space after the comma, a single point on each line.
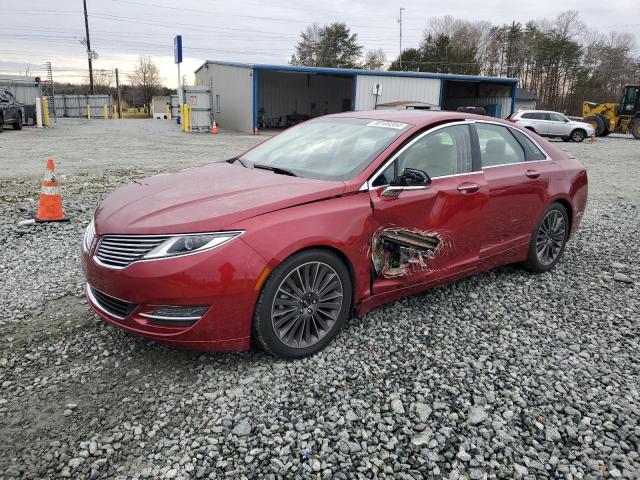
[204, 199]
[575, 123]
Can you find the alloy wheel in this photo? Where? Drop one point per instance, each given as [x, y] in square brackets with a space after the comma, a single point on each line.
[578, 136]
[550, 237]
[307, 304]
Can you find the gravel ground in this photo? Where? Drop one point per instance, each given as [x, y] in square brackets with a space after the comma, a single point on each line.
[502, 375]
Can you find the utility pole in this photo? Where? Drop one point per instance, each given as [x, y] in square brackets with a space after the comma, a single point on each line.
[118, 90]
[400, 22]
[89, 52]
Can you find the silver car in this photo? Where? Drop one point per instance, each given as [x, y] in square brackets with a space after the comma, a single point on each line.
[552, 124]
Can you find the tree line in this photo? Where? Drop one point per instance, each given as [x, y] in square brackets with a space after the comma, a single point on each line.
[560, 60]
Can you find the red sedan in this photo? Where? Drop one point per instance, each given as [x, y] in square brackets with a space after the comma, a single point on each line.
[280, 245]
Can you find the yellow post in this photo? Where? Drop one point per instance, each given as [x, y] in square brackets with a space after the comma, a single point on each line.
[88, 112]
[167, 112]
[45, 112]
[189, 114]
[182, 120]
[105, 111]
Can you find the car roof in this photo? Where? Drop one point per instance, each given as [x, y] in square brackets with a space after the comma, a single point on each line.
[540, 111]
[418, 118]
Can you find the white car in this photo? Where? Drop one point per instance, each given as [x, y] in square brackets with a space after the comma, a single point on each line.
[552, 124]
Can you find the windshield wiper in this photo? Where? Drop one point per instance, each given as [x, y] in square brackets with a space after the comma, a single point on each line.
[278, 170]
[237, 159]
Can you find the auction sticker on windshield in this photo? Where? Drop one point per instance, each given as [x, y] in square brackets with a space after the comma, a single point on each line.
[386, 124]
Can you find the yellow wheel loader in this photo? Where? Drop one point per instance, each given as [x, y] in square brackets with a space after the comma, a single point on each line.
[623, 117]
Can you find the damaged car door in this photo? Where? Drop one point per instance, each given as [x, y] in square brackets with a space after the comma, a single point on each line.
[424, 232]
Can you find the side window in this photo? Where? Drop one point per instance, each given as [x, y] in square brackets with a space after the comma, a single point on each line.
[498, 146]
[444, 152]
[530, 116]
[555, 117]
[532, 152]
[386, 177]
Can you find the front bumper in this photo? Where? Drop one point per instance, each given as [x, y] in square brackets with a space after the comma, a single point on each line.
[222, 279]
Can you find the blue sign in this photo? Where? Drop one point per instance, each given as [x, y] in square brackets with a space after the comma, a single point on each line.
[177, 49]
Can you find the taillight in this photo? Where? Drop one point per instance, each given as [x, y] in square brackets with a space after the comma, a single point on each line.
[513, 120]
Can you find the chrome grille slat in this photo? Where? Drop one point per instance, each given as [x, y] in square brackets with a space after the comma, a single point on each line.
[124, 251]
[121, 250]
[114, 306]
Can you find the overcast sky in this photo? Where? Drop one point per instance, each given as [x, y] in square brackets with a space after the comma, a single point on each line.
[37, 31]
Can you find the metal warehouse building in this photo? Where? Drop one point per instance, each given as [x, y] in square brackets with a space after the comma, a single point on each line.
[249, 96]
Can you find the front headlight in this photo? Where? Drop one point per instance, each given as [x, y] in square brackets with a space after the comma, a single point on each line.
[89, 236]
[192, 243]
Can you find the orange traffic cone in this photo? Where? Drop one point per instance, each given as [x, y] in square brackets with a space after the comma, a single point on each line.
[50, 205]
[214, 128]
[593, 138]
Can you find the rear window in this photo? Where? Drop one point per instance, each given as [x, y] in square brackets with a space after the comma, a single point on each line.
[534, 115]
[531, 151]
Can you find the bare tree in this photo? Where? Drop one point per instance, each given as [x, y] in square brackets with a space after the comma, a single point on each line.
[374, 59]
[102, 80]
[146, 77]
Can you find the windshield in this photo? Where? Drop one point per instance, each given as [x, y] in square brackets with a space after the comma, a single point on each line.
[327, 148]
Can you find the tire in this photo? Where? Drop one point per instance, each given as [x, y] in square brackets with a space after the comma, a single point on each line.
[18, 124]
[578, 135]
[635, 128]
[294, 338]
[606, 132]
[1, 124]
[555, 220]
[597, 122]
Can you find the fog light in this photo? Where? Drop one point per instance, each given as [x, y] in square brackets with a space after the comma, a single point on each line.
[180, 316]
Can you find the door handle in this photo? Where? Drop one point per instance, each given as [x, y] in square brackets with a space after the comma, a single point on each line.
[532, 173]
[468, 187]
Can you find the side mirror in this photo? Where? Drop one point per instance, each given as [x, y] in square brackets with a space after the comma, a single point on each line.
[410, 179]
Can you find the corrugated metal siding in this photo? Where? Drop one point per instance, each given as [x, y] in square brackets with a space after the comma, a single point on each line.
[395, 89]
[76, 105]
[504, 102]
[234, 85]
[199, 98]
[281, 94]
[25, 90]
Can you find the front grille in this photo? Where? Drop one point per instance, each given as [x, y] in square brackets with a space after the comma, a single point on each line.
[122, 250]
[114, 306]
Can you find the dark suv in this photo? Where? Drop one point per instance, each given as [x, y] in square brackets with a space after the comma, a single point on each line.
[10, 110]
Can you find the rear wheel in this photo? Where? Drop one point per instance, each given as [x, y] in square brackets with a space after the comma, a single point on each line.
[597, 122]
[606, 132]
[578, 135]
[303, 304]
[549, 239]
[635, 128]
[18, 124]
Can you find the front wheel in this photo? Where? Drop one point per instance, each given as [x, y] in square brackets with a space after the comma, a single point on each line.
[578, 135]
[303, 304]
[549, 239]
[635, 128]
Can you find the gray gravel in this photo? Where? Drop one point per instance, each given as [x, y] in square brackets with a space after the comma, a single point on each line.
[502, 375]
